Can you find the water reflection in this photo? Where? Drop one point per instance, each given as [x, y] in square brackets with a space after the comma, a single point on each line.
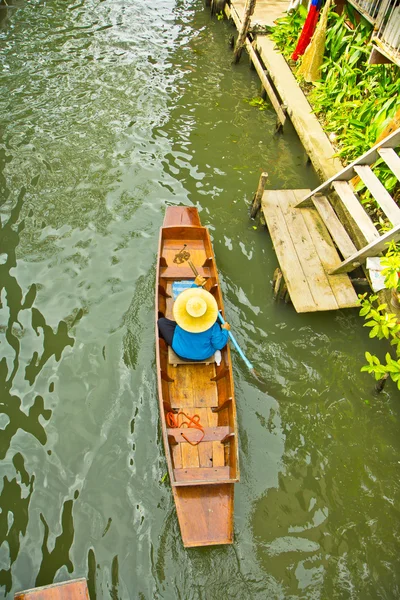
[14, 504]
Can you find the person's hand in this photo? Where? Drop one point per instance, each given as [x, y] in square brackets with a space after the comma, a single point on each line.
[226, 326]
[200, 281]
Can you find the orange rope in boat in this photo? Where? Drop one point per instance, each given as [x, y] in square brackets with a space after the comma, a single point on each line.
[192, 422]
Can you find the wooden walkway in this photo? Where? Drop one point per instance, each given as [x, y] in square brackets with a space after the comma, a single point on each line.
[306, 254]
[265, 12]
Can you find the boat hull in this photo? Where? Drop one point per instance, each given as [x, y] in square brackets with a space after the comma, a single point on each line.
[202, 475]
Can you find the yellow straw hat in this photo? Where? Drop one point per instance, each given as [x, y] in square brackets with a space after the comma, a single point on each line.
[195, 310]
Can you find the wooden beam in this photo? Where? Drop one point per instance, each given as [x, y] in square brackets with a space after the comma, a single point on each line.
[379, 192]
[256, 204]
[392, 160]
[368, 158]
[245, 24]
[373, 249]
[263, 75]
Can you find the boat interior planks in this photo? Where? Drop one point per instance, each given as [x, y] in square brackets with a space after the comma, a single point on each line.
[202, 462]
[75, 589]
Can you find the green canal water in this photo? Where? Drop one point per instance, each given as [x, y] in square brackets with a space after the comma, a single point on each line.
[110, 111]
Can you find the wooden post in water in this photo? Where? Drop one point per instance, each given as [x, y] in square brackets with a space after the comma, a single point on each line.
[256, 204]
[248, 11]
[217, 6]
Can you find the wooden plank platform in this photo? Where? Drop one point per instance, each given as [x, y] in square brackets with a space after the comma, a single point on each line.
[265, 13]
[306, 254]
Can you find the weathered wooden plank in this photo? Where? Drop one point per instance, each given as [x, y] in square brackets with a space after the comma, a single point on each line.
[67, 590]
[182, 272]
[356, 211]
[368, 158]
[372, 249]
[174, 359]
[205, 390]
[379, 192]
[392, 160]
[211, 434]
[218, 454]
[204, 475]
[290, 264]
[204, 448]
[341, 285]
[334, 226]
[265, 83]
[181, 392]
[176, 453]
[190, 456]
[306, 251]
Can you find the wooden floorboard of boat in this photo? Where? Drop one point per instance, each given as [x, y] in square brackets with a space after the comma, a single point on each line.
[205, 514]
[202, 475]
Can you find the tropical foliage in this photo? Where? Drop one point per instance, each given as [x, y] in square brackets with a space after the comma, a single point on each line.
[383, 324]
[353, 100]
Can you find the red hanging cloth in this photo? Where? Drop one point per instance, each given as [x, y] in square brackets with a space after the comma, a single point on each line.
[308, 29]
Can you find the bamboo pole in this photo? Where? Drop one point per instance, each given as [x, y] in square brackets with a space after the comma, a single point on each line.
[256, 204]
[248, 11]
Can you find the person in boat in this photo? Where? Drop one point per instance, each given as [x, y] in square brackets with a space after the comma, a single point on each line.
[195, 334]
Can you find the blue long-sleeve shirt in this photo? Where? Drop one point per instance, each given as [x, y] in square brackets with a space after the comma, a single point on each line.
[199, 346]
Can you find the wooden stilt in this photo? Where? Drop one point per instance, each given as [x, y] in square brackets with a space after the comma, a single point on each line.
[381, 383]
[240, 42]
[256, 204]
[279, 287]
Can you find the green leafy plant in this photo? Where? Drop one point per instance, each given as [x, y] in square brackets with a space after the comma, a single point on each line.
[220, 16]
[354, 101]
[384, 324]
[391, 264]
[258, 102]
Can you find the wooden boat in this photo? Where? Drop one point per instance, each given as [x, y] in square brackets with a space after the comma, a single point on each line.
[75, 589]
[203, 475]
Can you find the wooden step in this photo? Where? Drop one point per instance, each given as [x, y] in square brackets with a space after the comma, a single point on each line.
[211, 434]
[373, 249]
[182, 272]
[334, 226]
[379, 192]
[355, 210]
[202, 475]
[392, 160]
[174, 359]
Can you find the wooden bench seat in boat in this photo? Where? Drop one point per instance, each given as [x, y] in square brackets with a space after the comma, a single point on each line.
[174, 359]
[211, 434]
[202, 475]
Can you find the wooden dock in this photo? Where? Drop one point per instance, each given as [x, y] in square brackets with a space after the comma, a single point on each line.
[265, 13]
[306, 254]
[75, 589]
[281, 86]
